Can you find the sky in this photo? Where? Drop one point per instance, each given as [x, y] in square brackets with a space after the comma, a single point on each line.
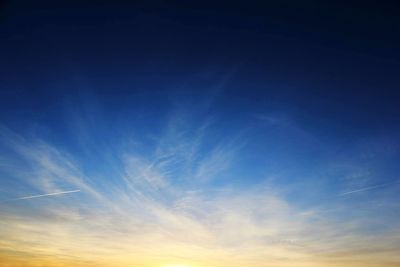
[177, 134]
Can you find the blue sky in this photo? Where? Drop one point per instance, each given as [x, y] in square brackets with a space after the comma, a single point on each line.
[175, 136]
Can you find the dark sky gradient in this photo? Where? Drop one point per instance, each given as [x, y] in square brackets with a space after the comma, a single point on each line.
[335, 64]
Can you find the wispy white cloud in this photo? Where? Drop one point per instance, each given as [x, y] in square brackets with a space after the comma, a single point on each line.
[214, 163]
[158, 207]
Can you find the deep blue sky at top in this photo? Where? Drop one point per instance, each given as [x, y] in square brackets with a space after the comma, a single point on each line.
[332, 66]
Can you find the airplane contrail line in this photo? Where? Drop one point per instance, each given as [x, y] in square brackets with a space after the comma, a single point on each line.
[368, 188]
[44, 195]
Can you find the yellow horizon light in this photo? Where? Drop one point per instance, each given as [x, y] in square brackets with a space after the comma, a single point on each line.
[175, 265]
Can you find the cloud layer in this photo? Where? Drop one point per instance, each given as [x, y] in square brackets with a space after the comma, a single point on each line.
[179, 200]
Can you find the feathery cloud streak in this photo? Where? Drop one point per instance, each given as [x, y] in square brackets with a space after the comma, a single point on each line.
[167, 206]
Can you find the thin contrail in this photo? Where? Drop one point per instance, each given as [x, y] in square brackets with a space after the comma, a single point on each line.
[43, 195]
[368, 188]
